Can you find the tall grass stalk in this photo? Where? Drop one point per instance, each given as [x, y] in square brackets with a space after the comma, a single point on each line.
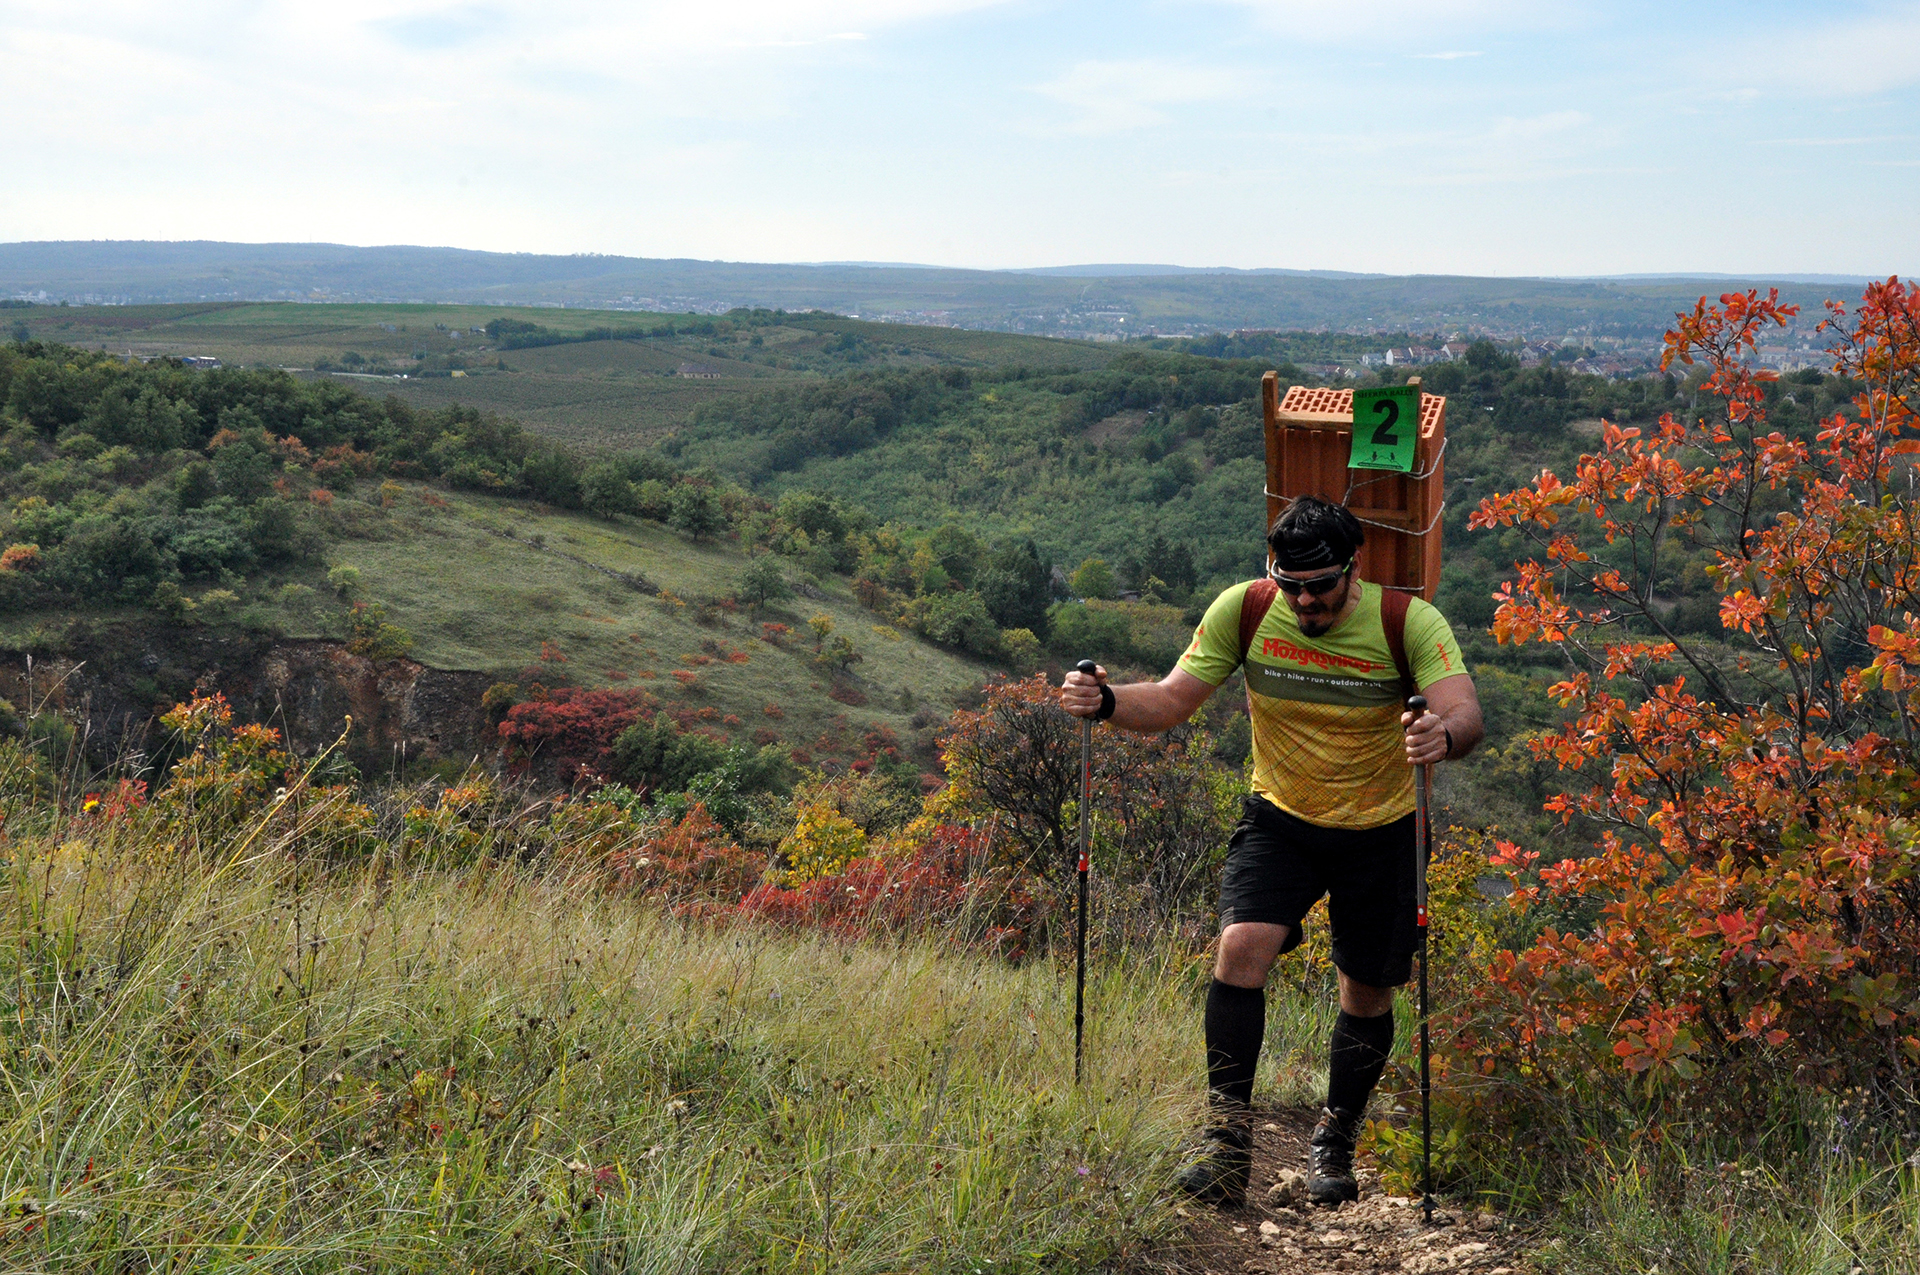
[230, 1058]
[1828, 1210]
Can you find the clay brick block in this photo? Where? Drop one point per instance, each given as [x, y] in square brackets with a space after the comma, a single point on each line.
[1310, 436]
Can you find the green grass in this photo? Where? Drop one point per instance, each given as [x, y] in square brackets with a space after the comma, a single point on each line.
[475, 591]
[1823, 1211]
[242, 1061]
[592, 413]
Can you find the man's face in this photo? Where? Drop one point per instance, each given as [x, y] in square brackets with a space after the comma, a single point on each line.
[1315, 615]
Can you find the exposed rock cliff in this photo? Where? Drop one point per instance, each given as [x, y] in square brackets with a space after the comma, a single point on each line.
[118, 679]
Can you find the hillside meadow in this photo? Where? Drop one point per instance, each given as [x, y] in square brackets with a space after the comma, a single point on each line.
[516, 587]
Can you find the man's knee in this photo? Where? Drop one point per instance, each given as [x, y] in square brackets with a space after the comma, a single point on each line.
[1364, 1001]
[1247, 952]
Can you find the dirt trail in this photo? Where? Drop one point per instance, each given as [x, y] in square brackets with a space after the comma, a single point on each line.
[1377, 1233]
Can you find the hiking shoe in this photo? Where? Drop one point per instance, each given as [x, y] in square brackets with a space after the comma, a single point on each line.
[1330, 1159]
[1217, 1170]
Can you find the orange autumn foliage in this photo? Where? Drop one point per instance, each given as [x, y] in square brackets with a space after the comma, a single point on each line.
[1751, 913]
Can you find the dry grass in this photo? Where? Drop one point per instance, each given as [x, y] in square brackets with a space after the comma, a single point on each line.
[231, 1058]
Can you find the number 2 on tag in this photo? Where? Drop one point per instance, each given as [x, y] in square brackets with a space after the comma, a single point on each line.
[1385, 428]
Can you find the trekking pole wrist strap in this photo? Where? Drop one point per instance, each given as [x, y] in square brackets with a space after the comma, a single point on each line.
[1106, 703]
[1449, 735]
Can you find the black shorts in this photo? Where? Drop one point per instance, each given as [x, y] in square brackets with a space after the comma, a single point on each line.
[1278, 866]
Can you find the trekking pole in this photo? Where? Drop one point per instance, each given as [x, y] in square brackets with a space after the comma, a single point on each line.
[1417, 705]
[1089, 668]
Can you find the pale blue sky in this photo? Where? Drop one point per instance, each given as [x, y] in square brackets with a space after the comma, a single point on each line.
[1469, 136]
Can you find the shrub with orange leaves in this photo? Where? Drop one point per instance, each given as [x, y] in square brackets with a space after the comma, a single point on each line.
[20, 558]
[691, 864]
[228, 769]
[570, 729]
[1752, 910]
[115, 803]
[937, 885]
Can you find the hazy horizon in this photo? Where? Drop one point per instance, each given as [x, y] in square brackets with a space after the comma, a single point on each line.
[1067, 270]
[1456, 137]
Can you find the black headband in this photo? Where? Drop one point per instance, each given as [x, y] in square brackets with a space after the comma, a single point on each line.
[1308, 555]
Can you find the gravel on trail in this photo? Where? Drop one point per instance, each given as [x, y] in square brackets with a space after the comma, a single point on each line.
[1277, 1230]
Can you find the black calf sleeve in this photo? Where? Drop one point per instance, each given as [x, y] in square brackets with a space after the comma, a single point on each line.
[1236, 1024]
[1357, 1054]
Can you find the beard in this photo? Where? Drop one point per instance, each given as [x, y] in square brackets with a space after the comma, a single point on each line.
[1316, 618]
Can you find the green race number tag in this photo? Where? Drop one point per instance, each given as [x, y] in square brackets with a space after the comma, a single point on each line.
[1386, 424]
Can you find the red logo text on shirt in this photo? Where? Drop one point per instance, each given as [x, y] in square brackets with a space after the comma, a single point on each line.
[1282, 649]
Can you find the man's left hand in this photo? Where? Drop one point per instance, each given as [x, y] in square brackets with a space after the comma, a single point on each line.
[1426, 739]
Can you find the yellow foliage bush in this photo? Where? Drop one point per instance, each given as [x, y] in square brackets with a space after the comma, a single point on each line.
[823, 841]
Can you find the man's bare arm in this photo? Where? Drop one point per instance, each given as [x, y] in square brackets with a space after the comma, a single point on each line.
[1147, 707]
[1453, 708]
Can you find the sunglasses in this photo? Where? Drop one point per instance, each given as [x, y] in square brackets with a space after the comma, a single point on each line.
[1318, 586]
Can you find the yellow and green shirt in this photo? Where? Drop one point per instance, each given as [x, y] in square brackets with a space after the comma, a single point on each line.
[1326, 711]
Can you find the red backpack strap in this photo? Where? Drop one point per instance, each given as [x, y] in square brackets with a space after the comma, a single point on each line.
[1253, 609]
[1393, 618]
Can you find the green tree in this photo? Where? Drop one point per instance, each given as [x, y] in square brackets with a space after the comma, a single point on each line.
[697, 511]
[840, 654]
[957, 552]
[369, 634]
[1093, 579]
[1022, 647]
[1016, 586]
[955, 619]
[606, 491]
[762, 582]
[345, 582]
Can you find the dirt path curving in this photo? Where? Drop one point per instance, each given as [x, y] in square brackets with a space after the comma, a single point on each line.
[1377, 1233]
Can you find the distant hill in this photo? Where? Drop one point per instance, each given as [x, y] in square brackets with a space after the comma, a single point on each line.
[1149, 270]
[1100, 301]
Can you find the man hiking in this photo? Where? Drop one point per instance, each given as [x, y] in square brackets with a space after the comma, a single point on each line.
[1331, 813]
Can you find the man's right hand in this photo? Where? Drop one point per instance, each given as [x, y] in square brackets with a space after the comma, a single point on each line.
[1080, 694]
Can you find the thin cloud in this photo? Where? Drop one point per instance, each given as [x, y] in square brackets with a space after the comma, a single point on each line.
[1348, 21]
[447, 29]
[1830, 141]
[1446, 57]
[1119, 97]
[803, 44]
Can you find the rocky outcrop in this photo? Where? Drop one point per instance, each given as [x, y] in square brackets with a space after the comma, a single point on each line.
[119, 679]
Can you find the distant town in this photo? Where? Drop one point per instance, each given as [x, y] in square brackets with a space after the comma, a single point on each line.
[1596, 328]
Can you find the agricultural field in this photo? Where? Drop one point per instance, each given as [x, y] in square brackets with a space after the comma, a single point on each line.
[598, 395]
